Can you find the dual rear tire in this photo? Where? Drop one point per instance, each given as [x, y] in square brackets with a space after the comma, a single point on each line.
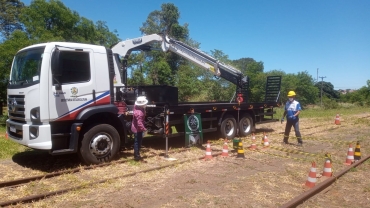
[229, 125]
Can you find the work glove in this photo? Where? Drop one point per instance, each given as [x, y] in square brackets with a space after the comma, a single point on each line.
[282, 120]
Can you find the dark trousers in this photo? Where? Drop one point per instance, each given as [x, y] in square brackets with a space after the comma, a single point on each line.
[288, 127]
[137, 144]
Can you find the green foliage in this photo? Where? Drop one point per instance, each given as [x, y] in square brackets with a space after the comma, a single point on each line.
[302, 84]
[305, 89]
[162, 68]
[3, 119]
[9, 16]
[188, 84]
[329, 103]
[327, 90]
[53, 21]
[360, 97]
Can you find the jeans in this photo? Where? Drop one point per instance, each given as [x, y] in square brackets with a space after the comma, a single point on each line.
[288, 127]
[137, 144]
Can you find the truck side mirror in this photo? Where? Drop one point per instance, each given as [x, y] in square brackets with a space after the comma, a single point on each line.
[55, 63]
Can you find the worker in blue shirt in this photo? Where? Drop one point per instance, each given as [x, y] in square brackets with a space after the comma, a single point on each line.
[292, 111]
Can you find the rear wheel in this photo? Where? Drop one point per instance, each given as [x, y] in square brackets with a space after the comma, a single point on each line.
[99, 144]
[246, 126]
[228, 127]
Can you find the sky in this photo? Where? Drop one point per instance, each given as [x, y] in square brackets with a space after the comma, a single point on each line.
[329, 39]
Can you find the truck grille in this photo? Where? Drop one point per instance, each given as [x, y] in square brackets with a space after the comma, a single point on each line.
[16, 109]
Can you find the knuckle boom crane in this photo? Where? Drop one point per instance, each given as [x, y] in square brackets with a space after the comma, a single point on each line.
[203, 60]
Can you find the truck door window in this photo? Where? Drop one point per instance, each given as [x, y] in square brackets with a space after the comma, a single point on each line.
[75, 67]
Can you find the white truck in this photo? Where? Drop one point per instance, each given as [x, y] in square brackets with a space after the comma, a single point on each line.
[73, 98]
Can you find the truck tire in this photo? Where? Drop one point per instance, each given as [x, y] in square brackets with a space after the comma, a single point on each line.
[99, 144]
[246, 126]
[228, 127]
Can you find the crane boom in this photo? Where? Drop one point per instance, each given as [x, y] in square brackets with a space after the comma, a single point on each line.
[235, 76]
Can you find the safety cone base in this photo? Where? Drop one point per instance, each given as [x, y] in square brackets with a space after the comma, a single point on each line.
[253, 148]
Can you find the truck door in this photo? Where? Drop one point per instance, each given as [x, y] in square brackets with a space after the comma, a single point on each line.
[77, 83]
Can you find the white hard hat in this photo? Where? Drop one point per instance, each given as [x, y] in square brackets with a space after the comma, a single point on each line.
[141, 100]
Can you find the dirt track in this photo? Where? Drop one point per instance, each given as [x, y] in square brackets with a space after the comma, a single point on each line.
[268, 178]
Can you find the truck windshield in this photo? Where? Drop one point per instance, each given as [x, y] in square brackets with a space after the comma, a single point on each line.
[26, 67]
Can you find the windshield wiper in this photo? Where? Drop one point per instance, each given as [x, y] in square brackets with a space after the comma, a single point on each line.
[21, 82]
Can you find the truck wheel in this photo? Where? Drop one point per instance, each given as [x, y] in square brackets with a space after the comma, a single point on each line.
[228, 127]
[246, 125]
[100, 144]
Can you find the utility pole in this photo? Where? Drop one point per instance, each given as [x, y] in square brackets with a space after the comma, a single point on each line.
[317, 75]
[321, 90]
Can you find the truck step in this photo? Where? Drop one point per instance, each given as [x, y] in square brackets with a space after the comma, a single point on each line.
[62, 151]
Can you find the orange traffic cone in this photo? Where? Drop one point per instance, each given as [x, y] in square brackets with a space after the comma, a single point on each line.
[266, 141]
[225, 149]
[311, 180]
[337, 120]
[350, 156]
[357, 152]
[327, 168]
[208, 152]
[253, 146]
[6, 135]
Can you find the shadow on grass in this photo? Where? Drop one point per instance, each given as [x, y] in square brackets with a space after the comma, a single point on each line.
[43, 161]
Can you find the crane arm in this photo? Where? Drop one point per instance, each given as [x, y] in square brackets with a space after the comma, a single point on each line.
[124, 48]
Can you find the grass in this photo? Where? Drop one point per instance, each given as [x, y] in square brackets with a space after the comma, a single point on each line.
[317, 112]
[8, 147]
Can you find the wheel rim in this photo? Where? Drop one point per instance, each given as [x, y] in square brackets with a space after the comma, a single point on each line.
[246, 125]
[100, 145]
[229, 128]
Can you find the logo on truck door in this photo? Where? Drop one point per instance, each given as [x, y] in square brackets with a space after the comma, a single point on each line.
[74, 91]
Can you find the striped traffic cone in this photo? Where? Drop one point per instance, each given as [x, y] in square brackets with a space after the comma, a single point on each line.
[253, 146]
[357, 156]
[350, 158]
[240, 150]
[337, 120]
[208, 152]
[327, 168]
[311, 180]
[266, 142]
[225, 149]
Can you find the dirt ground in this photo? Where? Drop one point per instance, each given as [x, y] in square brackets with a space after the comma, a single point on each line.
[268, 177]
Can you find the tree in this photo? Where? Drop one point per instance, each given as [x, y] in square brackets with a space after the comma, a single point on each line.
[165, 21]
[327, 90]
[305, 89]
[9, 16]
[189, 88]
[53, 21]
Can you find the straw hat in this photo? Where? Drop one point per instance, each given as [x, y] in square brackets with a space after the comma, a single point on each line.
[141, 100]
